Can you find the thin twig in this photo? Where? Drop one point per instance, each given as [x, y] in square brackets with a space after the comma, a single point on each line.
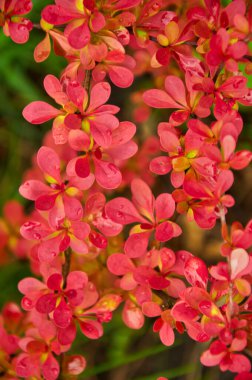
[65, 272]
[87, 84]
[37, 26]
[66, 266]
[230, 289]
[87, 80]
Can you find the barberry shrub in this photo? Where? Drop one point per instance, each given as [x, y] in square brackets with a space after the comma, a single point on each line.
[110, 201]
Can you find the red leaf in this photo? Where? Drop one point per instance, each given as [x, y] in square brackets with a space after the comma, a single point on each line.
[39, 112]
[239, 260]
[159, 99]
[43, 49]
[196, 272]
[122, 211]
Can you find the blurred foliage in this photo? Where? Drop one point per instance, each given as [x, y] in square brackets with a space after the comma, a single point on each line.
[9, 278]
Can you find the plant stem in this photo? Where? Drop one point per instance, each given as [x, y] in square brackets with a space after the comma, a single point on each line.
[230, 289]
[65, 271]
[66, 266]
[87, 83]
[87, 80]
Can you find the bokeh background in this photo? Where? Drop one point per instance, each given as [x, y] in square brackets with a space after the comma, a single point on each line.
[122, 354]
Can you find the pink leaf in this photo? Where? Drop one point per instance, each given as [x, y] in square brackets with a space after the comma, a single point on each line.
[77, 94]
[21, 7]
[30, 285]
[164, 232]
[74, 211]
[239, 363]
[151, 309]
[132, 316]
[119, 264]
[208, 359]
[243, 376]
[228, 145]
[121, 76]
[49, 162]
[136, 245]
[64, 244]
[79, 140]
[78, 246]
[123, 152]
[42, 50]
[97, 21]
[91, 329]
[107, 226]
[73, 121]
[19, 31]
[239, 342]
[239, 260]
[159, 99]
[62, 315]
[50, 368]
[67, 335]
[39, 112]
[101, 128]
[77, 280]
[158, 282]
[176, 89]
[241, 159]
[143, 198]
[54, 282]
[167, 335]
[95, 203]
[179, 117]
[79, 36]
[161, 165]
[107, 174]
[196, 272]
[54, 89]
[183, 312]
[45, 202]
[49, 249]
[82, 167]
[163, 56]
[46, 304]
[124, 133]
[98, 240]
[128, 282]
[59, 130]
[168, 258]
[75, 364]
[224, 182]
[33, 189]
[25, 366]
[169, 140]
[56, 15]
[234, 87]
[100, 94]
[122, 211]
[199, 128]
[165, 206]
